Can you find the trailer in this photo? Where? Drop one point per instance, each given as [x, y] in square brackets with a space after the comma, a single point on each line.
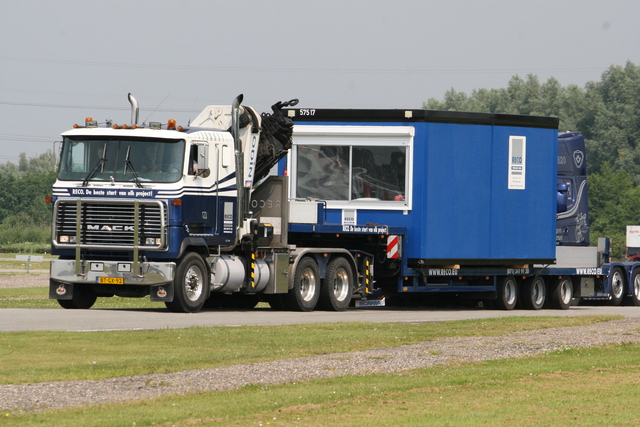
[322, 209]
[493, 208]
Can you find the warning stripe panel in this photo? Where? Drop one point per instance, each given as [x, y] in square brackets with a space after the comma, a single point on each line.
[393, 246]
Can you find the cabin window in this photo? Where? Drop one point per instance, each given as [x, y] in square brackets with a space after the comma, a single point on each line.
[361, 167]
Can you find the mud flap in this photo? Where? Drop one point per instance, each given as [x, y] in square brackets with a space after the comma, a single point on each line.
[162, 293]
[59, 290]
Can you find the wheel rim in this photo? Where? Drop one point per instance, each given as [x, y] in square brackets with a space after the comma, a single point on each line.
[341, 285]
[307, 284]
[193, 283]
[616, 284]
[565, 291]
[510, 292]
[636, 286]
[538, 292]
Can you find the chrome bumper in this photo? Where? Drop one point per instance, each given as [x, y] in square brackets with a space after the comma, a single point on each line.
[108, 272]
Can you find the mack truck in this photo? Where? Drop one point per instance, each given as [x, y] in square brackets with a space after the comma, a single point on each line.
[323, 209]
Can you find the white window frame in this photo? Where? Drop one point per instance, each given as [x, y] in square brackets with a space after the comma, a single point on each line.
[356, 136]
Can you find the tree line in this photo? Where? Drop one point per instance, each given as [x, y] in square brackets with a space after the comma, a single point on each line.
[25, 217]
[606, 112]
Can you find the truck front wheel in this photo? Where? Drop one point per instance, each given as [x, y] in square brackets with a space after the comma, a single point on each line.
[337, 286]
[306, 286]
[83, 298]
[190, 285]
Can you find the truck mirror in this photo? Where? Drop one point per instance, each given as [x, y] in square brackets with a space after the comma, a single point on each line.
[561, 198]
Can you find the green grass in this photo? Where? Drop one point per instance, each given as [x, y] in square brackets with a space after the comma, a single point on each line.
[53, 356]
[589, 387]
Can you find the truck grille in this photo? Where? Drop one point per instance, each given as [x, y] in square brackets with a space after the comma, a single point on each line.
[110, 225]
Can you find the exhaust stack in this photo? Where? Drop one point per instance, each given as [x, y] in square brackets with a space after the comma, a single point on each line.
[135, 111]
[235, 128]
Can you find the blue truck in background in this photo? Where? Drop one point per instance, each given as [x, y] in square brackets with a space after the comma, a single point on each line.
[324, 208]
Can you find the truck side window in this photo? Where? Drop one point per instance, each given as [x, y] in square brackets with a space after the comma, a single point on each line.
[193, 160]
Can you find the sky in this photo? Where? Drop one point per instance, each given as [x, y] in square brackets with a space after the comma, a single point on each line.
[63, 61]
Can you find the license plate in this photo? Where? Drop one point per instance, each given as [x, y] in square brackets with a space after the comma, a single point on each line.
[111, 280]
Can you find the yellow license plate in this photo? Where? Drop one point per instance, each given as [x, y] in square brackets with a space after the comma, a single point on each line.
[111, 280]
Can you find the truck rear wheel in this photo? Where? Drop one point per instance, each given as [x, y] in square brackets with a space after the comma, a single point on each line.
[306, 286]
[507, 293]
[534, 293]
[337, 286]
[190, 285]
[561, 293]
[618, 286]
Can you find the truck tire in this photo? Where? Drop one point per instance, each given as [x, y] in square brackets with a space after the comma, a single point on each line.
[507, 293]
[634, 298]
[618, 286]
[83, 298]
[190, 285]
[534, 293]
[306, 286]
[561, 293]
[337, 286]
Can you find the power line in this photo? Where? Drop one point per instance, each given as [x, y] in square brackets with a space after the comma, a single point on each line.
[25, 138]
[92, 107]
[305, 69]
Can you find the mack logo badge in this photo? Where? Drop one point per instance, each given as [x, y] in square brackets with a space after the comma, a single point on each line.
[110, 227]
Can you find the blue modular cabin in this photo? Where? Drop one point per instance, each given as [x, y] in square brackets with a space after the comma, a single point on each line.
[467, 199]
[478, 189]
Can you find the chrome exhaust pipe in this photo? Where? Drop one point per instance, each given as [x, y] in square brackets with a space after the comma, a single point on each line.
[235, 128]
[135, 111]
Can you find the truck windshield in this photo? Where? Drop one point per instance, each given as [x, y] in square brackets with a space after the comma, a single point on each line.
[121, 160]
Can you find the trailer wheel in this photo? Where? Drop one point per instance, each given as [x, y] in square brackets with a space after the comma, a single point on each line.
[507, 293]
[618, 286]
[337, 286]
[634, 299]
[534, 293]
[83, 298]
[190, 285]
[306, 286]
[561, 293]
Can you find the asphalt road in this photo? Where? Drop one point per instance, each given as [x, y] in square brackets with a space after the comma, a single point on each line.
[33, 319]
